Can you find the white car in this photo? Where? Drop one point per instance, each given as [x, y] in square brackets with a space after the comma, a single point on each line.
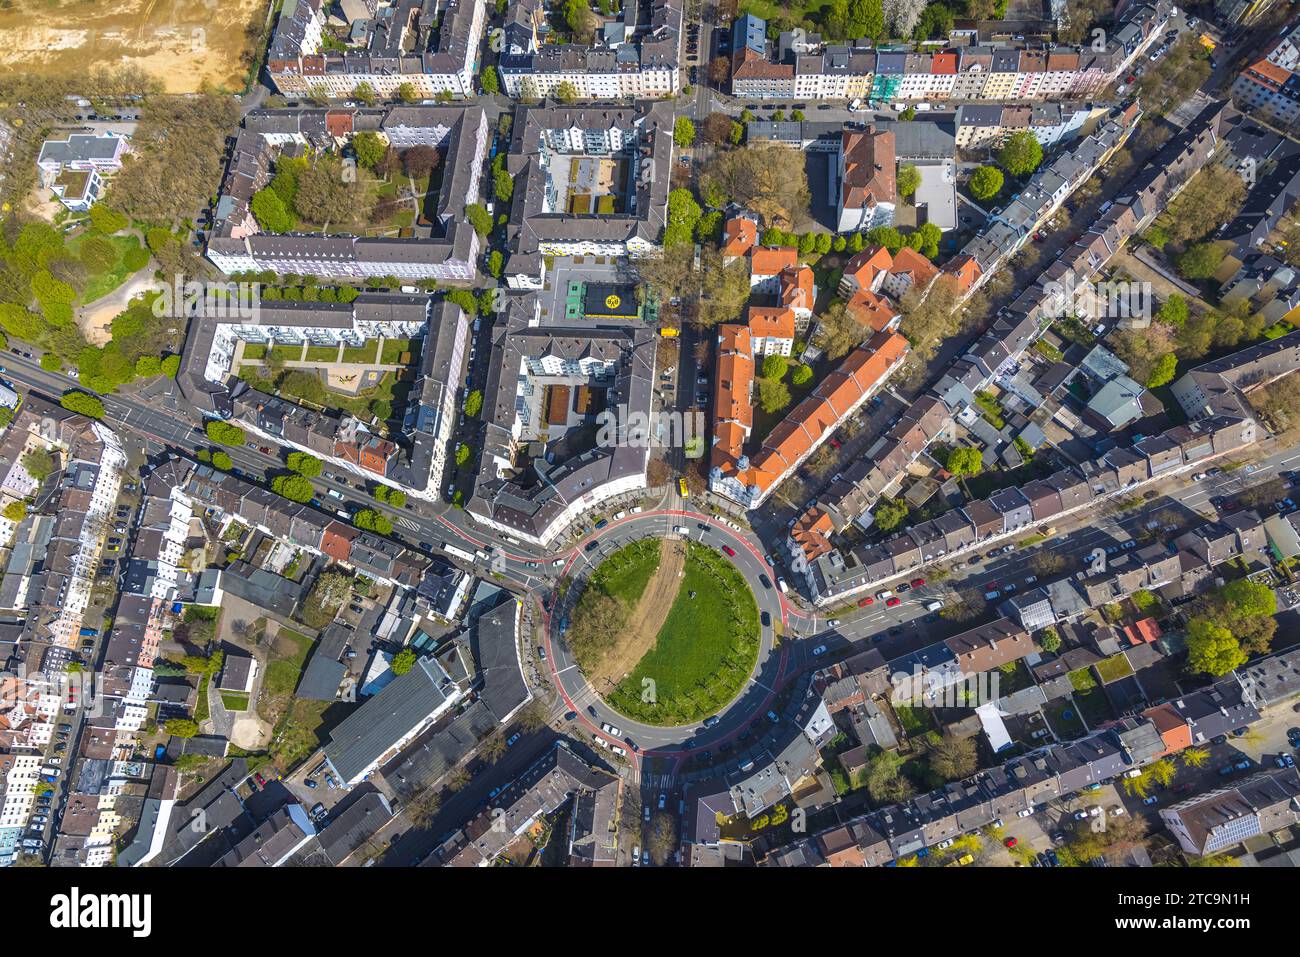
[622, 753]
[612, 731]
[832, 622]
[942, 844]
[1025, 812]
[819, 650]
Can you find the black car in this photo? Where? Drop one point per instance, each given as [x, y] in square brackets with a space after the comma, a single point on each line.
[766, 619]
[765, 581]
[591, 710]
[1219, 739]
[592, 546]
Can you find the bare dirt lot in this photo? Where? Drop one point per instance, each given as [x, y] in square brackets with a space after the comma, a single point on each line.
[183, 43]
[647, 618]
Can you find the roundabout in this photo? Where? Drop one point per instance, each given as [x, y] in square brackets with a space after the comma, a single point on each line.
[671, 673]
[666, 631]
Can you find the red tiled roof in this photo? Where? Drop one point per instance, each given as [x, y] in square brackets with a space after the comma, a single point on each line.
[771, 321]
[770, 260]
[739, 236]
[870, 310]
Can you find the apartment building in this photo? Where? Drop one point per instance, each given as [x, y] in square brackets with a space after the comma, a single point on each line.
[969, 67]
[636, 53]
[444, 248]
[430, 46]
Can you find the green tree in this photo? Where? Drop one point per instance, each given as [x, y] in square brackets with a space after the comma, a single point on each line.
[296, 488]
[365, 93]
[462, 454]
[775, 367]
[1174, 312]
[965, 461]
[1163, 371]
[407, 93]
[268, 210]
[479, 218]
[370, 149]
[403, 661]
[474, 402]
[1200, 261]
[83, 403]
[986, 182]
[1050, 639]
[802, 374]
[367, 519]
[171, 365]
[224, 433]
[683, 132]
[1020, 153]
[487, 79]
[39, 463]
[772, 396]
[51, 362]
[222, 460]
[304, 464]
[146, 367]
[909, 178]
[181, 727]
[1212, 649]
[889, 513]
[736, 133]
[566, 92]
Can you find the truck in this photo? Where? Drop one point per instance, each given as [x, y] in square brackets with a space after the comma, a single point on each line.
[89, 633]
[680, 530]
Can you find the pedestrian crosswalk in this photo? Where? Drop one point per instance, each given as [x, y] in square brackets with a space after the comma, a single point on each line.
[406, 523]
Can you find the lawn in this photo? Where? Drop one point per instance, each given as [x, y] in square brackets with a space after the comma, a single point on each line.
[234, 700]
[322, 353]
[361, 354]
[625, 574]
[1062, 715]
[288, 655]
[705, 651]
[393, 350]
[359, 404]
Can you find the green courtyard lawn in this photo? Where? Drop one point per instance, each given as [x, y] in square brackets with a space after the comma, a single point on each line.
[705, 651]
[393, 349]
[234, 700]
[322, 353]
[361, 355]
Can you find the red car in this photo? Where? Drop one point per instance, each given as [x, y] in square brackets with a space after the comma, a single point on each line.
[835, 443]
[866, 601]
[918, 582]
[729, 550]
[892, 602]
[1010, 842]
[260, 780]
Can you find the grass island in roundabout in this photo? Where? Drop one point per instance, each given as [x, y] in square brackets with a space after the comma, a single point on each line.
[666, 631]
